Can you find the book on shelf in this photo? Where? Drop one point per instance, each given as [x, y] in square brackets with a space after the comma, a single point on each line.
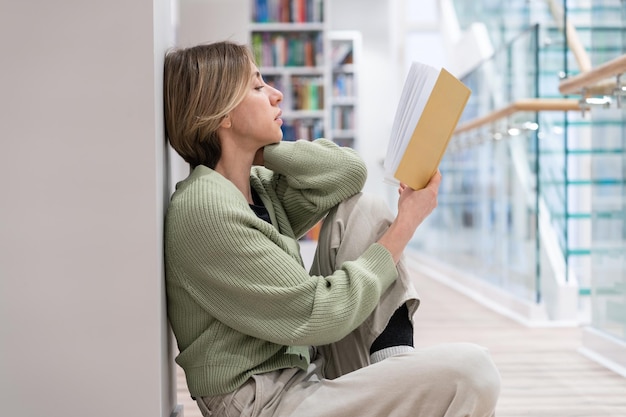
[308, 93]
[341, 54]
[288, 11]
[307, 129]
[430, 106]
[278, 49]
[343, 85]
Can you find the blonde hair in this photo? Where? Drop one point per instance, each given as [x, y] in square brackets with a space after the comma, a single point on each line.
[201, 85]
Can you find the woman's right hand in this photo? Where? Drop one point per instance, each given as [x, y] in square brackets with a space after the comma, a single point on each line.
[413, 208]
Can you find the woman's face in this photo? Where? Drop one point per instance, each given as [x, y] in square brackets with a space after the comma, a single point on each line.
[257, 118]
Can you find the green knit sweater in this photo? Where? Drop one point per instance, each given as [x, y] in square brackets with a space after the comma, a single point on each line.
[240, 301]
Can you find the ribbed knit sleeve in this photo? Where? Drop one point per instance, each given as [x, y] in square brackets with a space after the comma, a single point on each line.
[311, 177]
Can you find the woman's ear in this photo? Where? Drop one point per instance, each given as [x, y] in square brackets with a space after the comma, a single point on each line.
[226, 122]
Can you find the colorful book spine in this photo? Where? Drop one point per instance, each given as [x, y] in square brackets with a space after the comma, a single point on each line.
[283, 49]
[307, 129]
[260, 12]
[308, 93]
[288, 11]
[257, 48]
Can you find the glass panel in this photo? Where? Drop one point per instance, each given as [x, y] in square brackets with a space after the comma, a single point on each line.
[485, 222]
[605, 155]
[608, 260]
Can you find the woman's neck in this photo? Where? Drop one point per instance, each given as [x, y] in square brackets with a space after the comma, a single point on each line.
[237, 171]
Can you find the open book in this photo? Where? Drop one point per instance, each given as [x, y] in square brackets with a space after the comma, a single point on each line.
[430, 106]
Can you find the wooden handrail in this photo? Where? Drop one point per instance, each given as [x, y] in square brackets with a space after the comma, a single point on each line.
[531, 104]
[571, 35]
[573, 40]
[589, 79]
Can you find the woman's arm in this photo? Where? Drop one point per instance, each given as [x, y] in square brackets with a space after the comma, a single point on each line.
[413, 207]
[239, 270]
[309, 178]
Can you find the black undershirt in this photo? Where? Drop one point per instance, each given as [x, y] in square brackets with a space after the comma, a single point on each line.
[258, 207]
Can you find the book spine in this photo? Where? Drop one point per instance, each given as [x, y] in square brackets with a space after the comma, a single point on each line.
[278, 49]
[318, 11]
[288, 11]
[319, 49]
[301, 11]
[257, 48]
[343, 86]
[309, 52]
[285, 10]
[307, 129]
[268, 59]
[274, 10]
[343, 118]
[261, 11]
[308, 93]
[313, 102]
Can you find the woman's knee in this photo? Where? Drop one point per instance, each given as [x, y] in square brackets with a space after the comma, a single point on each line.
[478, 362]
[461, 372]
[447, 379]
[367, 210]
[475, 373]
[372, 203]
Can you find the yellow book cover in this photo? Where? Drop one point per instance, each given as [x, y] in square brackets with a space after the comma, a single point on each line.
[430, 107]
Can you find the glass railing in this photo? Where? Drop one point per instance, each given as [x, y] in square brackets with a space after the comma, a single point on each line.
[607, 222]
[510, 193]
[486, 220]
[538, 196]
[608, 190]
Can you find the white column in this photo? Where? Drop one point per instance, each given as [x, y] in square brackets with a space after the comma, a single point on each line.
[83, 330]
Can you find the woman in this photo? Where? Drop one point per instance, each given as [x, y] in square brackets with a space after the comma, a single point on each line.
[259, 335]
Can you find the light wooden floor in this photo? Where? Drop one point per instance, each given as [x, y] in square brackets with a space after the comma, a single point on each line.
[543, 375]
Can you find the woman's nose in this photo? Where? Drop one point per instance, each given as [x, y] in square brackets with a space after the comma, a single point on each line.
[276, 96]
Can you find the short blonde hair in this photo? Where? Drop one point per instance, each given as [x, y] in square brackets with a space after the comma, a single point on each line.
[201, 85]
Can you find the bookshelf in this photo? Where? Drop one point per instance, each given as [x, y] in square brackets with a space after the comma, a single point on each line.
[345, 49]
[290, 45]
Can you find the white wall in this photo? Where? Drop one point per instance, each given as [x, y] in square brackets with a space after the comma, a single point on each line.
[213, 20]
[378, 92]
[82, 162]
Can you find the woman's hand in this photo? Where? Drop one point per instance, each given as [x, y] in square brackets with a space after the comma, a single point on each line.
[418, 204]
[413, 207]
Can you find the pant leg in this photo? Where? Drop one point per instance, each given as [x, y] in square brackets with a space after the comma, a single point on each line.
[449, 380]
[452, 380]
[348, 230]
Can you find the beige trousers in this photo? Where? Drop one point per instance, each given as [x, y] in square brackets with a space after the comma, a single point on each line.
[451, 380]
